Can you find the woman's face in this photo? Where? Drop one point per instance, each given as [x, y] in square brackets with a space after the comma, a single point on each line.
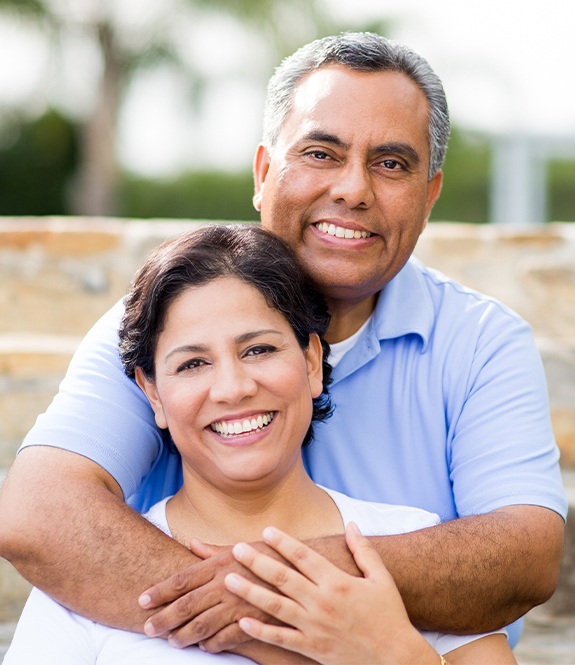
[232, 384]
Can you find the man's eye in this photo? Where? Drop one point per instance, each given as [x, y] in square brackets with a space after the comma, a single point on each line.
[392, 164]
[318, 154]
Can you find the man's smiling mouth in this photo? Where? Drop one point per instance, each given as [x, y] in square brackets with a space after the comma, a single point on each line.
[235, 427]
[341, 232]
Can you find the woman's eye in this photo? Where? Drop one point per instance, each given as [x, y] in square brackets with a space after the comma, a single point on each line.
[260, 350]
[191, 364]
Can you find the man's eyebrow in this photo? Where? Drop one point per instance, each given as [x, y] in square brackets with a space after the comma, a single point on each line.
[325, 137]
[401, 149]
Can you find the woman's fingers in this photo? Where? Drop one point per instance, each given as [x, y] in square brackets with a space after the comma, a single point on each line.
[308, 562]
[365, 555]
[275, 573]
[280, 607]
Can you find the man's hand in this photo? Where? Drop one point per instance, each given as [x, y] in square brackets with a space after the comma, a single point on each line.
[196, 603]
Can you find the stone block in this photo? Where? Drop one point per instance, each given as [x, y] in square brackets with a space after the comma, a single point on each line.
[31, 368]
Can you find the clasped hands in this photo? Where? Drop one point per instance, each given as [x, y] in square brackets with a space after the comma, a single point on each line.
[307, 605]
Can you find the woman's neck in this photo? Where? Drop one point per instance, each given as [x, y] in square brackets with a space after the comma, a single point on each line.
[221, 516]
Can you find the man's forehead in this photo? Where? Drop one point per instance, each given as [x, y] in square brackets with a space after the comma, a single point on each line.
[346, 97]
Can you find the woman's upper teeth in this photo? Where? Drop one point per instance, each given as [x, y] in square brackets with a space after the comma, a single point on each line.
[340, 231]
[231, 427]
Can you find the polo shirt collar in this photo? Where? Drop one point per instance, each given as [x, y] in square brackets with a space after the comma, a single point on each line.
[404, 306]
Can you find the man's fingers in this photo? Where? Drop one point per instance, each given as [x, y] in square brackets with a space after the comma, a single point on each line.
[183, 610]
[175, 586]
[230, 637]
[204, 626]
[203, 550]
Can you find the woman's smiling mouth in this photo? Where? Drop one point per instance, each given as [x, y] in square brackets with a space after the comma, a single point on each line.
[236, 427]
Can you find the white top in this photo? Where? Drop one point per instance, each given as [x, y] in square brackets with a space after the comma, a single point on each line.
[49, 634]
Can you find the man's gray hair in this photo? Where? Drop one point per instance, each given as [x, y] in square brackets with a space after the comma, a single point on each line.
[365, 52]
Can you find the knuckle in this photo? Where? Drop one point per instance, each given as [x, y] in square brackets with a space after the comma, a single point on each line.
[274, 605]
[279, 578]
[180, 581]
[299, 554]
[183, 608]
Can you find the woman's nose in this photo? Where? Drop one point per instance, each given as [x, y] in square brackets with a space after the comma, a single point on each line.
[232, 383]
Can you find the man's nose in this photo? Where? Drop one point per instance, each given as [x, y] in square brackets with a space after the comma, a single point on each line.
[232, 383]
[353, 186]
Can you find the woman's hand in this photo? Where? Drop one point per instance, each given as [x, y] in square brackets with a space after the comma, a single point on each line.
[331, 617]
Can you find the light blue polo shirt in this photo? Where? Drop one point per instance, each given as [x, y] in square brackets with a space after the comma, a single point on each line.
[441, 404]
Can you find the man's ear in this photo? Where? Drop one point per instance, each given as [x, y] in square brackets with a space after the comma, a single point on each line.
[313, 358]
[261, 168]
[433, 192]
[151, 392]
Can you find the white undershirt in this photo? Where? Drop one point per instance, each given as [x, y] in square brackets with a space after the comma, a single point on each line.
[339, 349]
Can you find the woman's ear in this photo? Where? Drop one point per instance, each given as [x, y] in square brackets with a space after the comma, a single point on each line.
[261, 167]
[151, 392]
[314, 356]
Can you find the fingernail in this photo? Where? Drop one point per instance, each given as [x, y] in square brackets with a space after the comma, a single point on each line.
[144, 600]
[268, 533]
[149, 629]
[239, 551]
[232, 581]
[244, 623]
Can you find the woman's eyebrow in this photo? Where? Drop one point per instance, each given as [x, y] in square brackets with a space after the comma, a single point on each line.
[239, 339]
[247, 337]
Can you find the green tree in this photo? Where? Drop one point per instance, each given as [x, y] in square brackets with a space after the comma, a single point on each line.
[124, 49]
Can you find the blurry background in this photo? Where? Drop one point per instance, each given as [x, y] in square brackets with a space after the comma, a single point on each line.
[141, 108]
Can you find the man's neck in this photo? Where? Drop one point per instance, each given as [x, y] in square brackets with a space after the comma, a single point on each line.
[348, 317]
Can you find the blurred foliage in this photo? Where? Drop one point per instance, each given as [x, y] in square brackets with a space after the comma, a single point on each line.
[37, 160]
[196, 195]
[465, 193]
[561, 193]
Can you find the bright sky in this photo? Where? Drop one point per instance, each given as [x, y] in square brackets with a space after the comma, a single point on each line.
[507, 65]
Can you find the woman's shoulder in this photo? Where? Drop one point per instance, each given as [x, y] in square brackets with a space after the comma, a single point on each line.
[381, 519]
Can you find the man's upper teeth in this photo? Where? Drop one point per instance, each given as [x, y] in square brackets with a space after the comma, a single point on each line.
[340, 231]
[231, 427]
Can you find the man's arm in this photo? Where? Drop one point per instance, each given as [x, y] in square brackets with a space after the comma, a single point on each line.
[66, 528]
[436, 570]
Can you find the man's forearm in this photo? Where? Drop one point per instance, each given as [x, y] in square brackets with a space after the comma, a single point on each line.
[473, 574]
[67, 530]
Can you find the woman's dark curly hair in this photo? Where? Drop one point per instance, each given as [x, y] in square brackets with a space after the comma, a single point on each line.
[245, 252]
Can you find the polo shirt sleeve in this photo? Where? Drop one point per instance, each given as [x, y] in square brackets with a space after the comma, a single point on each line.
[500, 438]
[99, 412]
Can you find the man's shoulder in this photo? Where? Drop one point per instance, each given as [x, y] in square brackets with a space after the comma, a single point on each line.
[448, 294]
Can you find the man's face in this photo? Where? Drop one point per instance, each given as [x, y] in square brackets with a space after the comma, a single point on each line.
[347, 183]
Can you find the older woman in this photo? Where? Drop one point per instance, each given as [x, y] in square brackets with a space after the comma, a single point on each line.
[222, 332]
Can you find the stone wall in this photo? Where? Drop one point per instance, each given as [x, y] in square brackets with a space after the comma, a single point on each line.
[58, 275]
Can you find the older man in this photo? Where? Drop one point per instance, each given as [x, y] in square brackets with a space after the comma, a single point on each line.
[439, 391]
